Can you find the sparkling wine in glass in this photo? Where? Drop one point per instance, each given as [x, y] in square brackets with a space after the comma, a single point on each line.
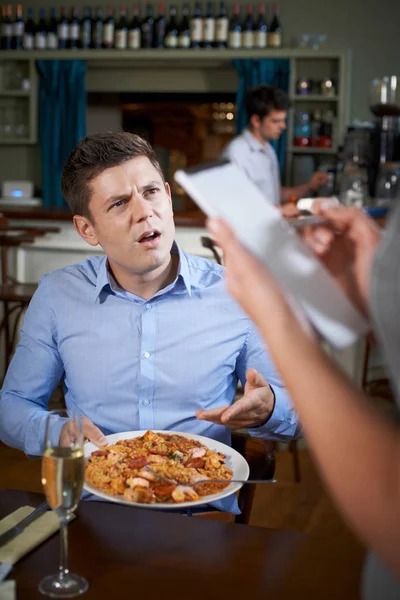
[62, 479]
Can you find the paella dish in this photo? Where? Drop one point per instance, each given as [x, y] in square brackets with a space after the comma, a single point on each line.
[158, 468]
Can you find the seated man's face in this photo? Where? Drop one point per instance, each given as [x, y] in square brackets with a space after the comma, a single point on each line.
[132, 216]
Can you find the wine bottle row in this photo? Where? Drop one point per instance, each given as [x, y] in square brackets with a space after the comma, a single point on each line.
[201, 27]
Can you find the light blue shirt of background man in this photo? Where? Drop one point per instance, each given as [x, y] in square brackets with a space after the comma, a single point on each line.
[144, 338]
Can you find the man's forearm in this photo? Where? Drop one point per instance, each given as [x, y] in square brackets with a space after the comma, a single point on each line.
[283, 424]
[22, 424]
[299, 191]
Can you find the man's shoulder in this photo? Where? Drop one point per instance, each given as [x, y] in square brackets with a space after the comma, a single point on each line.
[204, 271]
[85, 273]
[236, 147]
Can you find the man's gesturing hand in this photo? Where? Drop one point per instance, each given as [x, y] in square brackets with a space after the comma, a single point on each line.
[253, 409]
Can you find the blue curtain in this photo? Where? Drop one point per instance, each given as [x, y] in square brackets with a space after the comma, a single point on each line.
[254, 71]
[62, 120]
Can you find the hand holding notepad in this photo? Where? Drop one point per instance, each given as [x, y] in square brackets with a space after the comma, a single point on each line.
[223, 190]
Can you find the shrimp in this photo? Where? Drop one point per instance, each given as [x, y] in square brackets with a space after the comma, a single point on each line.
[139, 495]
[145, 474]
[197, 452]
[137, 482]
[156, 459]
[184, 493]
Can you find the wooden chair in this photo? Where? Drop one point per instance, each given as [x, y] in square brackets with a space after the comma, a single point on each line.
[375, 387]
[14, 296]
[261, 457]
[292, 445]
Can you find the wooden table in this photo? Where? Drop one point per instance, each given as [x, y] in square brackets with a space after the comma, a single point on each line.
[129, 553]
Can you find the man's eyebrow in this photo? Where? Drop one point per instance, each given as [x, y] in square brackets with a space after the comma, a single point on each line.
[150, 185]
[117, 198]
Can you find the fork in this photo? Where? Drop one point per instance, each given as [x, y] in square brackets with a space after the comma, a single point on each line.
[172, 482]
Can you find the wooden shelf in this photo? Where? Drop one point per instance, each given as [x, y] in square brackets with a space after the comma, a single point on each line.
[166, 54]
[16, 141]
[312, 150]
[15, 93]
[314, 98]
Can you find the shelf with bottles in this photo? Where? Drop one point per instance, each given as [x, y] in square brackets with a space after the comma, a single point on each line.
[312, 150]
[92, 29]
[314, 98]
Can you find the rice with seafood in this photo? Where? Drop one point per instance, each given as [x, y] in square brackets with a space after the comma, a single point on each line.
[123, 469]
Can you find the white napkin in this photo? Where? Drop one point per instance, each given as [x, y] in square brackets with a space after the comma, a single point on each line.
[33, 535]
[8, 590]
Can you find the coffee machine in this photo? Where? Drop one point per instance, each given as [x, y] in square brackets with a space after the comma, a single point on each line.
[384, 151]
[374, 148]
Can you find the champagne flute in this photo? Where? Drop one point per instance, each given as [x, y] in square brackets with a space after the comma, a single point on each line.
[62, 478]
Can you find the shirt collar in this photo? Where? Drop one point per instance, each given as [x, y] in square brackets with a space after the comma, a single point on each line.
[254, 144]
[104, 277]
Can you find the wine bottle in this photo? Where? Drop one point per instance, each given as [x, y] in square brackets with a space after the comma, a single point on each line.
[86, 28]
[18, 29]
[235, 29]
[134, 33]
[52, 39]
[97, 30]
[29, 34]
[222, 26]
[160, 25]
[109, 28]
[275, 30]
[63, 29]
[184, 28]
[41, 32]
[74, 29]
[209, 27]
[147, 28]
[248, 28]
[121, 30]
[7, 28]
[171, 33]
[196, 27]
[260, 34]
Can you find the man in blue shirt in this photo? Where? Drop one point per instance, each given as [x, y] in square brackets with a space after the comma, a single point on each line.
[145, 337]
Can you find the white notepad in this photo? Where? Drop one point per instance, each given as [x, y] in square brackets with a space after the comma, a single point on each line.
[222, 189]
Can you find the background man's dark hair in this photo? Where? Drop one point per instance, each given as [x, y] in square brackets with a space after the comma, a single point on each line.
[93, 155]
[262, 99]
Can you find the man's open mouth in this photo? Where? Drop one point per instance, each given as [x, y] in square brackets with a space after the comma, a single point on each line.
[149, 236]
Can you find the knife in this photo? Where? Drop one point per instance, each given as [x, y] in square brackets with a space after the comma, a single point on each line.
[19, 527]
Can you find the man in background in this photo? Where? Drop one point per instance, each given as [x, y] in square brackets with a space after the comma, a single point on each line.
[266, 108]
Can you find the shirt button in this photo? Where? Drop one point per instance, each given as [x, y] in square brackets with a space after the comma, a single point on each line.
[148, 306]
[146, 354]
[146, 402]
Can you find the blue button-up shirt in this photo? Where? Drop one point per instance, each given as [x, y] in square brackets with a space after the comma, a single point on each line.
[130, 364]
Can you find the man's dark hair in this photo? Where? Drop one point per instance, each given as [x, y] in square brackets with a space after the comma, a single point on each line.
[262, 99]
[93, 155]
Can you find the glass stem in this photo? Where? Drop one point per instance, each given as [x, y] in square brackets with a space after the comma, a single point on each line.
[63, 568]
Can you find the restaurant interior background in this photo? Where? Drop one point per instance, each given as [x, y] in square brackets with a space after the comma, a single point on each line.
[365, 32]
[368, 30]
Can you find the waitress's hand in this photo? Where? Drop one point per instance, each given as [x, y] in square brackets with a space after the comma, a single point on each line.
[347, 246]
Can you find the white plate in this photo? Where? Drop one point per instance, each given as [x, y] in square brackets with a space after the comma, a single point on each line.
[234, 461]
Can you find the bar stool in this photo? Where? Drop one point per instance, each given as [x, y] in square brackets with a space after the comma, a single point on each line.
[14, 296]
